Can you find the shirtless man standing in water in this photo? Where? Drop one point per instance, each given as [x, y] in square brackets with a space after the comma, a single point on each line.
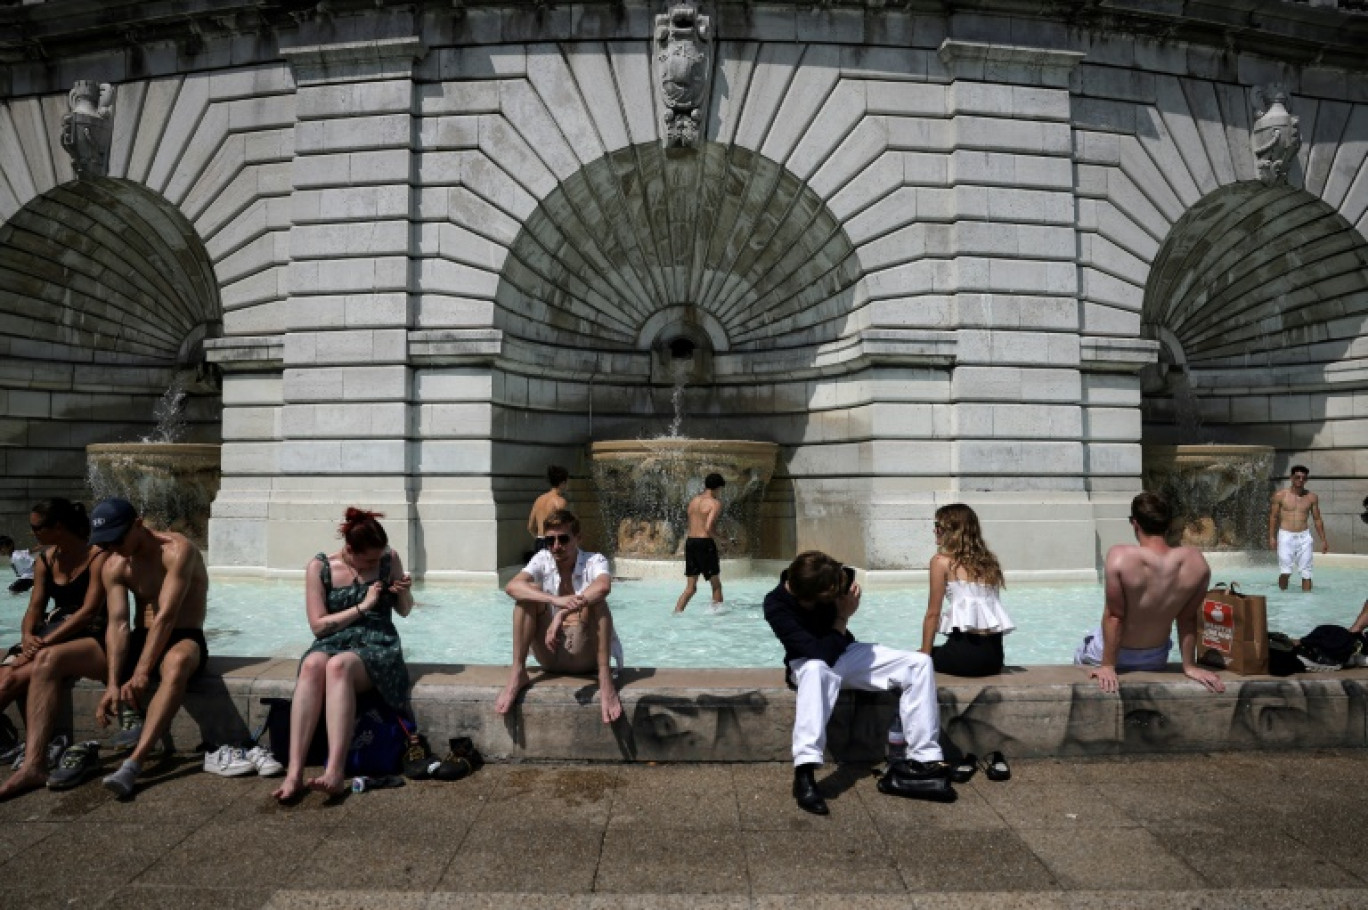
[1149, 585]
[1288, 534]
[165, 574]
[700, 549]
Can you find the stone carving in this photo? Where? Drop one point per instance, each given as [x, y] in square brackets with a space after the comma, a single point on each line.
[683, 70]
[1275, 138]
[88, 128]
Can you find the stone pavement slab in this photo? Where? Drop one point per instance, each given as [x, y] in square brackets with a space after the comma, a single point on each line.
[1211, 830]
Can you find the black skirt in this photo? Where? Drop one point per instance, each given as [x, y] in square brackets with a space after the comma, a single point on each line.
[967, 654]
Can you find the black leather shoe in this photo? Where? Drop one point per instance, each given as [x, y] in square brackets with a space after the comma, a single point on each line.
[806, 792]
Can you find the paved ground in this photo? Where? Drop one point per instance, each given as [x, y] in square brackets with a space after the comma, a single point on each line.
[1240, 830]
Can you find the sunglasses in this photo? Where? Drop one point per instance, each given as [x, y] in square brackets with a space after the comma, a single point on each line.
[39, 527]
[938, 528]
[553, 540]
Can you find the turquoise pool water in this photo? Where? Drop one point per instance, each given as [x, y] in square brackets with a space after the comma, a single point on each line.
[465, 625]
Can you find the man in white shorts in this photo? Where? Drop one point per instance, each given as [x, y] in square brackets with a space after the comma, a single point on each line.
[562, 615]
[1288, 531]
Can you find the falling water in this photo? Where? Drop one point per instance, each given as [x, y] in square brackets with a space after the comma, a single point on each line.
[169, 413]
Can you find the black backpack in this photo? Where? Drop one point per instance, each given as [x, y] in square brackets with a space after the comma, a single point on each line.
[1329, 645]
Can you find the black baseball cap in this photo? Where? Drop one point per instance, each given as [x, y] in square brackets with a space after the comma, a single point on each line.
[110, 520]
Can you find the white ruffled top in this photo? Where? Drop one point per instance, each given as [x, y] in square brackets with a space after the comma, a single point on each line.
[971, 605]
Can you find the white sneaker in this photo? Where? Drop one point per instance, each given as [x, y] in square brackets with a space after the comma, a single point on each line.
[265, 763]
[228, 761]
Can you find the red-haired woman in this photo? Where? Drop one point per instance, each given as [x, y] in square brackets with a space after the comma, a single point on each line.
[351, 597]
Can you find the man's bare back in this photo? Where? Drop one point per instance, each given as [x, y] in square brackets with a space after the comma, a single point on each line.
[1155, 588]
[703, 512]
[548, 502]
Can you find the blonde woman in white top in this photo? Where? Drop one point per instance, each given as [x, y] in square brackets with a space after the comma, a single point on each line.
[964, 605]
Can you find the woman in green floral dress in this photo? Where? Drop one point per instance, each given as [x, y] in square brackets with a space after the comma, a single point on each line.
[351, 597]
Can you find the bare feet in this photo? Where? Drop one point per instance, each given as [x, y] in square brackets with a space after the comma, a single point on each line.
[516, 683]
[329, 782]
[608, 698]
[22, 781]
[290, 790]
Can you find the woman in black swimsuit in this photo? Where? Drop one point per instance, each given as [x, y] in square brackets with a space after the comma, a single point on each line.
[68, 573]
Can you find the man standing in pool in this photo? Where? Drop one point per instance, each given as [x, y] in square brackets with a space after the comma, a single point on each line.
[165, 574]
[808, 613]
[700, 550]
[561, 615]
[1149, 585]
[1288, 534]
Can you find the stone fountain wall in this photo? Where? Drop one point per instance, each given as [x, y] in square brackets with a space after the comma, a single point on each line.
[912, 246]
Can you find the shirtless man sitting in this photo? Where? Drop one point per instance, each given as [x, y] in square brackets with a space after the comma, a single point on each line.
[166, 576]
[700, 549]
[553, 500]
[1288, 534]
[1149, 585]
[562, 615]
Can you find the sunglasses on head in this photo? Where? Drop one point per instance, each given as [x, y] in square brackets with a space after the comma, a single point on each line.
[557, 539]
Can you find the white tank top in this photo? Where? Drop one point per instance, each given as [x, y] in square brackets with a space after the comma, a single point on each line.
[971, 605]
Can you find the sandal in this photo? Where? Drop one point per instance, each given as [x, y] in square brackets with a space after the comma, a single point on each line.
[964, 768]
[995, 767]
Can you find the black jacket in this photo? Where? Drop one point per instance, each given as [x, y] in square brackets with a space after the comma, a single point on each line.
[805, 634]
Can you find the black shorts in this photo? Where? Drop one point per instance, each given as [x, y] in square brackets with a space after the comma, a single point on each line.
[138, 640]
[700, 557]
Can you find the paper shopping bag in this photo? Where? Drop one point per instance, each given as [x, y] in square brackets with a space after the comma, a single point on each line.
[1232, 631]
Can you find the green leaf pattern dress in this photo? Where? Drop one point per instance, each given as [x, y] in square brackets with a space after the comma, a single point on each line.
[373, 637]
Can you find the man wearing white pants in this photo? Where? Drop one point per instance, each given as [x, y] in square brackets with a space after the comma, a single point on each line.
[808, 612]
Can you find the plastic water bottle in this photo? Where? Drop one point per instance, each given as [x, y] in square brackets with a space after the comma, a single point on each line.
[897, 742]
[361, 784]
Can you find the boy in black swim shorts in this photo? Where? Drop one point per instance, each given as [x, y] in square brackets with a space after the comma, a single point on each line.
[700, 549]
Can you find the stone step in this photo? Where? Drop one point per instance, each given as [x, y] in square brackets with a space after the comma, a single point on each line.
[747, 715]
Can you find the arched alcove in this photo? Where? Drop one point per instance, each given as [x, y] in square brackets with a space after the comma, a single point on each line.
[106, 298]
[726, 240]
[1258, 294]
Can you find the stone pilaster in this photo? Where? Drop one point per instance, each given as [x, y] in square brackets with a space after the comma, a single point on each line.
[347, 381]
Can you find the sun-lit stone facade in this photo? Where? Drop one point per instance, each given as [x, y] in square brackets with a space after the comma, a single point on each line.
[429, 249]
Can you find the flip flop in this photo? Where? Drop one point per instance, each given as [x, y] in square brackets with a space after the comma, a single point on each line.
[965, 768]
[995, 767]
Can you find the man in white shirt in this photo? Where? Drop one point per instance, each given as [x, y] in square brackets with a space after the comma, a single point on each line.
[562, 615]
[22, 561]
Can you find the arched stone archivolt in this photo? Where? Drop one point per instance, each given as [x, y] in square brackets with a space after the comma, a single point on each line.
[214, 146]
[727, 232]
[1143, 164]
[1256, 277]
[106, 298]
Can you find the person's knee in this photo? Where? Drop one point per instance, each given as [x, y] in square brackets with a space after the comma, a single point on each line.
[815, 671]
[340, 667]
[178, 666]
[47, 664]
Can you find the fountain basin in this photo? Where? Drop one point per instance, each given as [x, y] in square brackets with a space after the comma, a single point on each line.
[644, 487]
[1219, 493]
[172, 484]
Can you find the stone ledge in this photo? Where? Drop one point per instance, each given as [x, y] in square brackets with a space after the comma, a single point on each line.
[747, 715]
